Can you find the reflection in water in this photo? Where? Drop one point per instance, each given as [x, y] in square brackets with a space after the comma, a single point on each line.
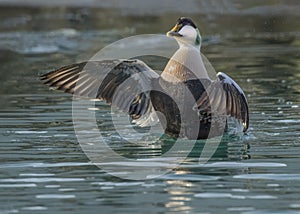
[43, 168]
[179, 195]
[230, 148]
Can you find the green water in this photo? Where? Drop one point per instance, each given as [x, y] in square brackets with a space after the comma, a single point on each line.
[43, 168]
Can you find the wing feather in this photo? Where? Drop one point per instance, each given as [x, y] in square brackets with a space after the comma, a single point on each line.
[122, 83]
[224, 96]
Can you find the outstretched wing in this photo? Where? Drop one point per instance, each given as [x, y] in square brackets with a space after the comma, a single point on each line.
[225, 97]
[122, 83]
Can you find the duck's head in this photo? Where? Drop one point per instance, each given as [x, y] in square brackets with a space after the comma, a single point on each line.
[186, 32]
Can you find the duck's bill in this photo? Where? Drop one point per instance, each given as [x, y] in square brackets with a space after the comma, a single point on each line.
[175, 31]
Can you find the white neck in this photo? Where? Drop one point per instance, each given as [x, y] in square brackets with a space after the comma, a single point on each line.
[185, 64]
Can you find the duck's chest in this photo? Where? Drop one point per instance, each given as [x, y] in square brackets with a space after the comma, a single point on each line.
[180, 92]
[175, 103]
[178, 99]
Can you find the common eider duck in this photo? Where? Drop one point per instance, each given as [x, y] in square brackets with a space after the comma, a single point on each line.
[184, 99]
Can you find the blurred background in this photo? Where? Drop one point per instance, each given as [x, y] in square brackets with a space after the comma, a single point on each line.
[43, 168]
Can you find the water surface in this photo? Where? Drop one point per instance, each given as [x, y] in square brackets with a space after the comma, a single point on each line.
[43, 168]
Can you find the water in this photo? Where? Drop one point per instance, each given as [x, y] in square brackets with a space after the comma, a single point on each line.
[43, 169]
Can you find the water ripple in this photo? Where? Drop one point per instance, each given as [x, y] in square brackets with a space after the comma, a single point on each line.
[44, 165]
[55, 196]
[17, 185]
[229, 195]
[40, 180]
[271, 176]
[231, 164]
[34, 208]
[187, 177]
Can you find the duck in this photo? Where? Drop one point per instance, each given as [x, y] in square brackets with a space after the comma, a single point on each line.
[183, 98]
